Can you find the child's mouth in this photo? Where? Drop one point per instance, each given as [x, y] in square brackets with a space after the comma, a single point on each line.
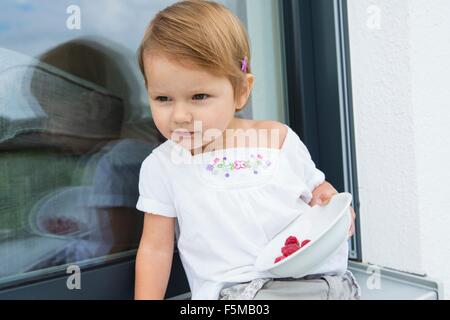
[184, 134]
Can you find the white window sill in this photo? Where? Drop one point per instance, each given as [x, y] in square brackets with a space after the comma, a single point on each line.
[394, 285]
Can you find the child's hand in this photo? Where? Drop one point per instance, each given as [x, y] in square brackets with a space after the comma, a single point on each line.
[323, 194]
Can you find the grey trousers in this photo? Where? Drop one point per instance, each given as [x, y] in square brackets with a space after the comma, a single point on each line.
[314, 287]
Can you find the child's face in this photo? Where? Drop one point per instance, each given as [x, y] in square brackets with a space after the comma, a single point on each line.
[181, 96]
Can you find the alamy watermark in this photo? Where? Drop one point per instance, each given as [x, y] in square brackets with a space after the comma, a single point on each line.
[193, 140]
[374, 17]
[73, 21]
[374, 280]
[74, 280]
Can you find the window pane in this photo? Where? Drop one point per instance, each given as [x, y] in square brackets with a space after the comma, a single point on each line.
[75, 125]
[264, 28]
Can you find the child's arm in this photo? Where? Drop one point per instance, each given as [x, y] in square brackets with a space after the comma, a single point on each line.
[154, 257]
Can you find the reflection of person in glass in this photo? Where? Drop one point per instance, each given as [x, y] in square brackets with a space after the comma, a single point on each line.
[115, 193]
[116, 161]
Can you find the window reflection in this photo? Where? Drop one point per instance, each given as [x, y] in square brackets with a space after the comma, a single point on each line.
[73, 135]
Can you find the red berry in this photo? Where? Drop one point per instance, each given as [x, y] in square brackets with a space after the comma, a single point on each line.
[289, 249]
[291, 240]
[278, 259]
[305, 242]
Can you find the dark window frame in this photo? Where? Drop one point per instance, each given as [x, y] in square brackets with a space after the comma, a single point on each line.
[319, 95]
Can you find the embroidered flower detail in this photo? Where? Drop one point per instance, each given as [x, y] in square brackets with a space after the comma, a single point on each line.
[227, 167]
[239, 165]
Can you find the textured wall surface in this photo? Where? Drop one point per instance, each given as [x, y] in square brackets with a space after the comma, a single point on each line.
[431, 96]
[400, 58]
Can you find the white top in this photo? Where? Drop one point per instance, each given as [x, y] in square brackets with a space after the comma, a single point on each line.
[229, 204]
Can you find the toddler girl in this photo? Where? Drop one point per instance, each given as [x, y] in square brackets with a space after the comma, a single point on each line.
[224, 185]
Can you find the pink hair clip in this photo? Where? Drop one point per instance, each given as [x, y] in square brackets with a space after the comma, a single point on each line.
[244, 65]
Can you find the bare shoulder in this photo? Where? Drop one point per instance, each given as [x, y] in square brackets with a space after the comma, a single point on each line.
[276, 127]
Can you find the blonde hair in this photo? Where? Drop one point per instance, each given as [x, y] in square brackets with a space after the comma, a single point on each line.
[204, 33]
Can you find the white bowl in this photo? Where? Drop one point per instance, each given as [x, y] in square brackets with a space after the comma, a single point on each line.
[326, 226]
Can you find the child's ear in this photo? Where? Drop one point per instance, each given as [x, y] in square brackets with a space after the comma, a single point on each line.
[250, 82]
[246, 90]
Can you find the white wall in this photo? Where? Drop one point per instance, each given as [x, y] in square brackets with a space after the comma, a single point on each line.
[400, 59]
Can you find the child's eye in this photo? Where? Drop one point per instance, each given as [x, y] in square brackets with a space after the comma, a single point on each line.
[164, 99]
[201, 95]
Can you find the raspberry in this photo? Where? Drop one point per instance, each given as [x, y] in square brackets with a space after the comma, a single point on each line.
[291, 240]
[291, 245]
[305, 242]
[289, 249]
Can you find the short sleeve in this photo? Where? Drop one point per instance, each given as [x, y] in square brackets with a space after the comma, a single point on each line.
[154, 194]
[313, 176]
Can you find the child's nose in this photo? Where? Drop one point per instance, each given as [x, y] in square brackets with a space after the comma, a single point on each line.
[181, 114]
